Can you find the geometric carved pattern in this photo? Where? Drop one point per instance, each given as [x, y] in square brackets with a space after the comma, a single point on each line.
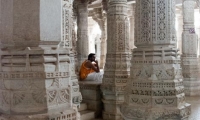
[154, 85]
[38, 96]
[67, 23]
[32, 75]
[18, 98]
[155, 30]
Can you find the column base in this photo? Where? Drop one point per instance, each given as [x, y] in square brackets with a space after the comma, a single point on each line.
[145, 113]
[66, 115]
[112, 109]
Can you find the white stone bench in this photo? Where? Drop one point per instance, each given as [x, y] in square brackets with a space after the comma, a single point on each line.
[92, 96]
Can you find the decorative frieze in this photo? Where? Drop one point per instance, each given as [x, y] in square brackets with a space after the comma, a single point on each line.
[67, 22]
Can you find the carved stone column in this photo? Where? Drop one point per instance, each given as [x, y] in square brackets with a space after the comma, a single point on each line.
[155, 89]
[91, 37]
[74, 43]
[103, 44]
[37, 75]
[190, 50]
[197, 26]
[131, 12]
[98, 46]
[82, 31]
[100, 17]
[116, 71]
[180, 29]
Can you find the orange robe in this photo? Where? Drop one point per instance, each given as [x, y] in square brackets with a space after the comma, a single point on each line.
[84, 71]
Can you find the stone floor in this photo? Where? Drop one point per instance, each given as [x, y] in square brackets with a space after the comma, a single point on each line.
[195, 104]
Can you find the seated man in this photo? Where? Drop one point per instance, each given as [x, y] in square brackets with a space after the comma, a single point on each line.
[90, 69]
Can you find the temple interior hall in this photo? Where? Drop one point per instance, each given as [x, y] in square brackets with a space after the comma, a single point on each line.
[148, 54]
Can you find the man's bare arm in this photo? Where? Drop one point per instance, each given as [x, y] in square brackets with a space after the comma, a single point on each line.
[95, 67]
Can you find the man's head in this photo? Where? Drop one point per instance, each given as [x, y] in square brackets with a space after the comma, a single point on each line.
[91, 57]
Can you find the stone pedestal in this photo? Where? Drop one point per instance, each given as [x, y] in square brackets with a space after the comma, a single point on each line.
[37, 73]
[116, 71]
[190, 61]
[92, 96]
[36, 81]
[155, 89]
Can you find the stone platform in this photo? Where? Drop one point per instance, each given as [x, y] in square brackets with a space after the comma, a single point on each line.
[92, 96]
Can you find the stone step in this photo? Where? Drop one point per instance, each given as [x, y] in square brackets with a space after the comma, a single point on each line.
[87, 115]
[83, 106]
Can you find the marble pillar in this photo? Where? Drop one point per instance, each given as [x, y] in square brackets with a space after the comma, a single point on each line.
[179, 18]
[104, 35]
[197, 26]
[190, 50]
[155, 89]
[92, 34]
[82, 31]
[74, 43]
[103, 44]
[98, 47]
[37, 76]
[132, 25]
[116, 71]
[100, 17]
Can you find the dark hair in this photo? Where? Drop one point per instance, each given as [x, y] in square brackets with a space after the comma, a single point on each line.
[90, 55]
